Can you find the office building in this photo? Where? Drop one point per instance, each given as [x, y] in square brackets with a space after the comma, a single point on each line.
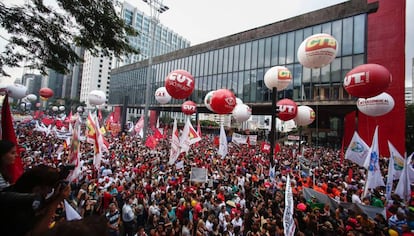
[364, 31]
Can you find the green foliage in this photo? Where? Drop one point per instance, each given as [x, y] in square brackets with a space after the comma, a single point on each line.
[208, 123]
[45, 37]
[409, 129]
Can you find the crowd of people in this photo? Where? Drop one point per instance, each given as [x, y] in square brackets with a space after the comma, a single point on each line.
[136, 191]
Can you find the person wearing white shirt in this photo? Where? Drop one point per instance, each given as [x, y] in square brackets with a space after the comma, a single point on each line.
[222, 217]
[128, 217]
[237, 223]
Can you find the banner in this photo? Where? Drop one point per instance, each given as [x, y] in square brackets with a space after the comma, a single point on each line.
[198, 175]
[239, 138]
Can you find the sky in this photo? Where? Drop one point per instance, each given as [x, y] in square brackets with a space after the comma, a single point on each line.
[200, 21]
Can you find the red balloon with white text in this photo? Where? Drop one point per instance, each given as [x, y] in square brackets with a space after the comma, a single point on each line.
[223, 101]
[367, 80]
[189, 107]
[287, 109]
[179, 84]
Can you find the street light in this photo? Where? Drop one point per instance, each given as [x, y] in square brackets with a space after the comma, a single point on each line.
[276, 78]
[156, 8]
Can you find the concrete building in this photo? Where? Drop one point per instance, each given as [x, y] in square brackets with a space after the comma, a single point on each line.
[363, 29]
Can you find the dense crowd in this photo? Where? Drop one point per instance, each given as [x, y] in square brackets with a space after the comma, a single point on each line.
[138, 193]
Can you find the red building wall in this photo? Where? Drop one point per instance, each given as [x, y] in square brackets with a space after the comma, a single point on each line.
[386, 46]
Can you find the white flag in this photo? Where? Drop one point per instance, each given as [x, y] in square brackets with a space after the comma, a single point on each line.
[138, 128]
[390, 176]
[272, 173]
[374, 178]
[189, 136]
[185, 137]
[403, 188]
[357, 150]
[398, 161]
[71, 214]
[288, 222]
[223, 149]
[175, 144]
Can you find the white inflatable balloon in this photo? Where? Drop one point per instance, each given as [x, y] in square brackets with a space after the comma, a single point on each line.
[207, 100]
[61, 108]
[96, 97]
[279, 77]
[239, 101]
[162, 96]
[305, 116]
[17, 91]
[376, 106]
[55, 108]
[31, 97]
[242, 112]
[317, 50]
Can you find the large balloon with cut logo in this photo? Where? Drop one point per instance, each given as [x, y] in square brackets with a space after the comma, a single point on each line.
[223, 101]
[287, 109]
[305, 116]
[46, 93]
[279, 77]
[16, 91]
[97, 97]
[189, 107]
[317, 50]
[179, 84]
[207, 100]
[162, 96]
[242, 112]
[367, 80]
[376, 106]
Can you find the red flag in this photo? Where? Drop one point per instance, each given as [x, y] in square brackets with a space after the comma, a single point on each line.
[48, 121]
[38, 114]
[350, 175]
[216, 140]
[157, 133]
[15, 169]
[277, 148]
[265, 147]
[151, 142]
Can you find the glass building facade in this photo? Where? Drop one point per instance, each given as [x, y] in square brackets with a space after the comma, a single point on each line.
[166, 40]
[241, 67]
[238, 62]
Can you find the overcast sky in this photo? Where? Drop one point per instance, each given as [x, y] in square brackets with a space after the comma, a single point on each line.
[204, 20]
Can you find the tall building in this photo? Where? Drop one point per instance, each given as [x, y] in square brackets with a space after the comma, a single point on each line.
[55, 83]
[33, 83]
[72, 80]
[96, 70]
[364, 30]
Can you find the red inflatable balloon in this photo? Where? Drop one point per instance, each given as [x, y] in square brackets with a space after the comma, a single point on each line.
[223, 101]
[179, 84]
[367, 80]
[189, 107]
[287, 109]
[46, 92]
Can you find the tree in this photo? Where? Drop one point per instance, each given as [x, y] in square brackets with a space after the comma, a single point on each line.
[409, 128]
[45, 36]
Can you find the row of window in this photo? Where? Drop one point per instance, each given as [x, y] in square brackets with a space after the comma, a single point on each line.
[241, 67]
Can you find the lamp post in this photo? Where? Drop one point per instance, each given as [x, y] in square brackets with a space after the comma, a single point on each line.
[277, 79]
[156, 8]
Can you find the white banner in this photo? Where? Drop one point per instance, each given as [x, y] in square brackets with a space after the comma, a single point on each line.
[198, 175]
[288, 222]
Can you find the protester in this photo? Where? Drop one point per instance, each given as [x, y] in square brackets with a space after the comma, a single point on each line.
[240, 197]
